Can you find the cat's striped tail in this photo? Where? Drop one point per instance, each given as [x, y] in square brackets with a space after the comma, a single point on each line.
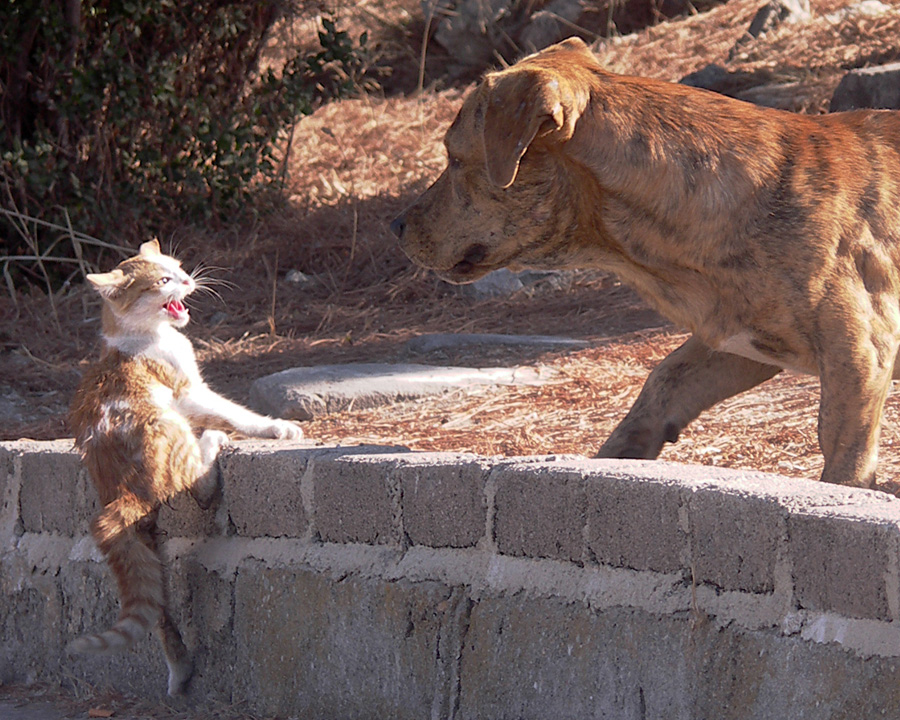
[138, 572]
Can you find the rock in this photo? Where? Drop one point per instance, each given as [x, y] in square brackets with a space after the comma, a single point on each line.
[711, 77]
[769, 17]
[874, 87]
[12, 407]
[758, 87]
[550, 25]
[36, 406]
[866, 8]
[455, 341]
[308, 392]
[498, 283]
[467, 28]
[295, 277]
[783, 96]
[776, 12]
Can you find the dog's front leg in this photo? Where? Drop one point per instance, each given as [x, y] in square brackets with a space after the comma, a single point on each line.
[690, 380]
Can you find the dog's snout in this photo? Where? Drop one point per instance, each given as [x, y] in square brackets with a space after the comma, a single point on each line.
[398, 225]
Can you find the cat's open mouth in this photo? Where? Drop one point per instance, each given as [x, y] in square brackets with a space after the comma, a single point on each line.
[176, 309]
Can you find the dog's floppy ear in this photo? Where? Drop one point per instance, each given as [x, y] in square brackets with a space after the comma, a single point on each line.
[521, 105]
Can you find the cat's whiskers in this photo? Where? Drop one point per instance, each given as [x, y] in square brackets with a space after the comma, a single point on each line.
[207, 283]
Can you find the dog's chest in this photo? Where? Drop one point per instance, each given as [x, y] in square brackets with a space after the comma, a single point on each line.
[748, 345]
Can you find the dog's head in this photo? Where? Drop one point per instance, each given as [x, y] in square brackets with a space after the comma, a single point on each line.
[505, 197]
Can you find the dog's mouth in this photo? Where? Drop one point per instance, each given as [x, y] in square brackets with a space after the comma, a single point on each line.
[471, 267]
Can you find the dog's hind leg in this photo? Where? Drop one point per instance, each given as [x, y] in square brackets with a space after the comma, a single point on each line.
[690, 380]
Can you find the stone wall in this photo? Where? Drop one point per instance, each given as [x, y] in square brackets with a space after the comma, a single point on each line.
[378, 583]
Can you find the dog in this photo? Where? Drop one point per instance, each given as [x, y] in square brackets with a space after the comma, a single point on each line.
[774, 238]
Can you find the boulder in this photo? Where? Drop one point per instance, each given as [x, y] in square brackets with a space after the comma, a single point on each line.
[554, 23]
[873, 87]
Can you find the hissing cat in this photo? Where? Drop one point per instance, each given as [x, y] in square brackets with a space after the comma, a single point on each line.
[135, 416]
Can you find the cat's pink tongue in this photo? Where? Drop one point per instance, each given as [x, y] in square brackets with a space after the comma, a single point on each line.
[176, 309]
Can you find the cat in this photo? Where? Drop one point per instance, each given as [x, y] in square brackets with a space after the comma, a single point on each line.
[135, 415]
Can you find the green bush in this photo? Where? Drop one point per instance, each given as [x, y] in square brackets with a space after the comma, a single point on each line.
[118, 117]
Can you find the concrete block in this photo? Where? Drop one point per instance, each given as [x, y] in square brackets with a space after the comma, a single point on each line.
[546, 659]
[202, 602]
[56, 495]
[9, 490]
[763, 675]
[261, 486]
[182, 517]
[734, 539]
[309, 647]
[635, 524]
[539, 511]
[443, 499]
[31, 610]
[90, 604]
[356, 500]
[840, 564]
[449, 628]
[7, 466]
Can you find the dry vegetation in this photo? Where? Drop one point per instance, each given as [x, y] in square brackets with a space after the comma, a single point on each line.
[353, 166]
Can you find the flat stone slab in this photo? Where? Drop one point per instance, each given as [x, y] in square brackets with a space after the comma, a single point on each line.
[455, 341]
[308, 392]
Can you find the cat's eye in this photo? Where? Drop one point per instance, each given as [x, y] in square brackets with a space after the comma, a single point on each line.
[163, 280]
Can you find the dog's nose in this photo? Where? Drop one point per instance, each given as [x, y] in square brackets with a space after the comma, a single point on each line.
[398, 225]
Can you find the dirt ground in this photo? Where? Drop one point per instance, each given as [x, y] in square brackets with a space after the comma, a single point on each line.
[356, 164]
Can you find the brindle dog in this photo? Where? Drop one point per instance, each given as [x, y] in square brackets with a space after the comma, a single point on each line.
[773, 237]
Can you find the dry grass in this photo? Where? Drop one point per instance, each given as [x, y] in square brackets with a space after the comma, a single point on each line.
[353, 166]
[812, 56]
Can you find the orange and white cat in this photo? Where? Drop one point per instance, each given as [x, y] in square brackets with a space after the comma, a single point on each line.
[136, 416]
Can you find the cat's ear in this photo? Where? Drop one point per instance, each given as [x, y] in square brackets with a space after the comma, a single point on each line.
[107, 284]
[150, 248]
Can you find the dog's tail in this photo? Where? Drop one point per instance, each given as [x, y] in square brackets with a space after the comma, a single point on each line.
[138, 572]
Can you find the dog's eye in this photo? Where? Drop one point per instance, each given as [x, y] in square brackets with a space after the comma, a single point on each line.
[454, 163]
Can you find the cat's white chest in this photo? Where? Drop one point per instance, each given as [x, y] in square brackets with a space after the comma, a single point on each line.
[162, 397]
[175, 349]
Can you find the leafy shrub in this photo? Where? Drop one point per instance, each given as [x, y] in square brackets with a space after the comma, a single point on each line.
[119, 116]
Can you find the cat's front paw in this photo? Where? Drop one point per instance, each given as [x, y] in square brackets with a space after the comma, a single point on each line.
[211, 442]
[285, 430]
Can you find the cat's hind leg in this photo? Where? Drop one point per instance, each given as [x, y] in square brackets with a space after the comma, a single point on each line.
[178, 659]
